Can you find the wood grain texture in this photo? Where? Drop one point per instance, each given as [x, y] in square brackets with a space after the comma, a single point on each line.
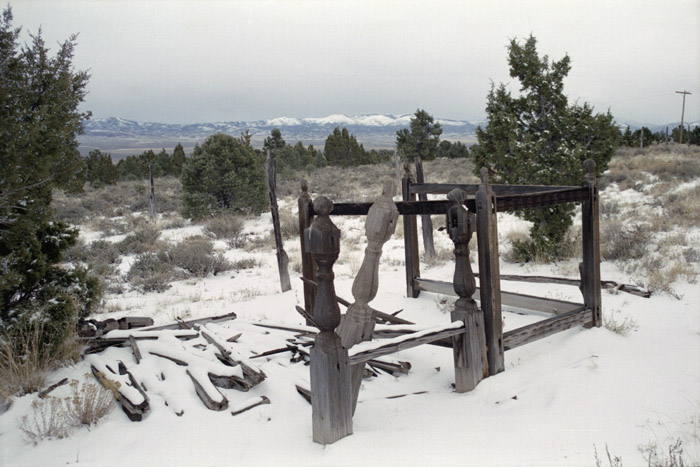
[282, 258]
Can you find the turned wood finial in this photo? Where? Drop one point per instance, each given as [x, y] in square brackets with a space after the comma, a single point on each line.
[323, 243]
[460, 225]
[304, 185]
[484, 172]
[589, 164]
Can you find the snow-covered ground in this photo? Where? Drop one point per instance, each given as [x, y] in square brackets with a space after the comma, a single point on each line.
[559, 400]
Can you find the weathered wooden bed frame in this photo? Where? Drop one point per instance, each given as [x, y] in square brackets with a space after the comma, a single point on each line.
[476, 332]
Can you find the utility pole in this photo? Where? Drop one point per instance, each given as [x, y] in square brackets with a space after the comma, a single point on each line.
[682, 111]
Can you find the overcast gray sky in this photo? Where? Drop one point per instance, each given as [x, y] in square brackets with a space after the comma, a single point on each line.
[202, 61]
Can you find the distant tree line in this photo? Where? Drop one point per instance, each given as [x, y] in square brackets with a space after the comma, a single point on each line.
[646, 137]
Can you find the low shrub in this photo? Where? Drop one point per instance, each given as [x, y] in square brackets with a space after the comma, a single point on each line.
[151, 272]
[88, 403]
[47, 421]
[225, 227]
[143, 239]
[196, 256]
[624, 244]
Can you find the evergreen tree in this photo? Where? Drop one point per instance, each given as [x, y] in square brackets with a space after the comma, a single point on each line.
[274, 142]
[538, 138]
[422, 139]
[224, 173]
[451, 150]
[39, 120]
[342, 149]
[178, 160]
[100, 170]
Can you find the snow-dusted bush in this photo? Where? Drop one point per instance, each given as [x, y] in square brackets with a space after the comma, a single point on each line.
[196, 256]
[151, 272]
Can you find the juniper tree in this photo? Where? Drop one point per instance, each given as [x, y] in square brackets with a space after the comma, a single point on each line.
[39, 120]
[538, 138]
[342, 149]
[224, 173]
[422, 139]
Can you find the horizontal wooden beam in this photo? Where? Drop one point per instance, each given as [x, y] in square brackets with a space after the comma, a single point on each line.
[365, 351]
[546, 327]
[471, 189]
[504, 203]
[509, 300]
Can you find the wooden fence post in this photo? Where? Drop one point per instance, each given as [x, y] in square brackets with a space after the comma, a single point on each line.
[425, 220]
[410, 236]
[331, 393]
[590, 267]
[471, 365]
[489, 272]
[308, 267]
[282, 258]
[357, 325]
[152, 194]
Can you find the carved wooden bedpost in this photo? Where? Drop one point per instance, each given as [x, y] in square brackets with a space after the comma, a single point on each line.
[471, 365]
[590, 267]
[357, 325]
[410, 236]
[308, 268]
[489, 272]
[331, 395]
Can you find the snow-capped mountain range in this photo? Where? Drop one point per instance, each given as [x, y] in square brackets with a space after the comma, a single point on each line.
[122, 137]
[359, 125]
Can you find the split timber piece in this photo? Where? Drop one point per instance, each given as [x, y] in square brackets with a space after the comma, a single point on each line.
[426, 221]
[118, 336]
[490, 295]
[249, 404]
[45, 392]
[519, 303]
[371, 350]
[192, 322]
[126, 391]
[205, 395]
[535, 331]
[229, 356]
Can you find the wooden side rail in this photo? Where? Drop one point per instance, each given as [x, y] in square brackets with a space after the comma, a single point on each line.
[514, 301]
[439, 207]
[471, 189]
[535, 331]
[365, 351]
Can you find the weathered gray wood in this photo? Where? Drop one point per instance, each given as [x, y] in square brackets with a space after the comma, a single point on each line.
[152, 194]
[252, 376]
[546, 327]
[397, 168]
[130, 396]
[134, 322]
[519, 303]
[378, 315]
[469, 349]
[331, 399]
[590, 267]
[368, 351]
[308, 267]
[135, 349]
[357, 324]
[425, 220]
[210, 403]
[471, 189]
[410, 236]
[282, 258]
[628, 288]
[192, 322]
[45, 392]
[247, 405]
[490, 280]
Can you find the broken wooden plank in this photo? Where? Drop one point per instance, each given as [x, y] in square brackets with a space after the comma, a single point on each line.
[304, 392]
[43, 393]
[192, 322]
[132, 398]
[217, 402]
[135, 349]
[251, 374]
[134, 322]
[370, 350]
[546, 327]
[249, 404]
[628, 288]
